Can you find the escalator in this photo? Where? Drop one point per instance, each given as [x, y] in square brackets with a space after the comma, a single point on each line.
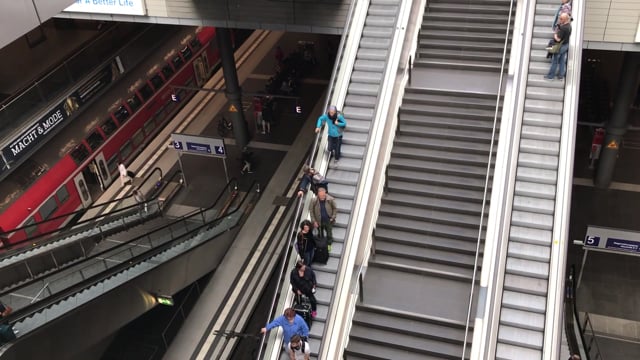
[432, 217]
[140, 258]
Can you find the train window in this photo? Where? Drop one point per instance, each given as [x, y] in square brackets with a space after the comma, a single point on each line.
[134, 103]
[137, 138]
[84, 192]
[195, 44]
[30, 227]
[62, 194]
[48, 208]
[80, 154]
[126, 150]
[146, 91]
[186, 53]
[149, 126]
[157, 81]
[95, 140]
[122, 114]
[108, 127]
[177, 62]
[167, 71]
[112, 164]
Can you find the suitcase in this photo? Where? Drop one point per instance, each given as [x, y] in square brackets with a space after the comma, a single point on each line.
[321, 255]
[302, 307]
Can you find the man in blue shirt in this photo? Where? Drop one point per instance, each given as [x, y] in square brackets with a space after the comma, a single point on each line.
[336, 124]
[291, 323]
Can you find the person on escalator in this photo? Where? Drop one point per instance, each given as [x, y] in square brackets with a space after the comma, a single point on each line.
[313, 179]
[291, 324]
[298, 349]
[336, 124]
[306, 242]
[559, 59]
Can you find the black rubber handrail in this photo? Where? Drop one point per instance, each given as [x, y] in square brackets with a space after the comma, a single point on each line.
[37, 240]
[39, 277]
[36, 307]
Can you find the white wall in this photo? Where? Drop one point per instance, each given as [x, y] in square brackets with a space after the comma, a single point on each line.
[611, 20]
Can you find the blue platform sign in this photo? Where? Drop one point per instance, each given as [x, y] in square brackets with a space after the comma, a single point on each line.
[612, 239]
[199, 145]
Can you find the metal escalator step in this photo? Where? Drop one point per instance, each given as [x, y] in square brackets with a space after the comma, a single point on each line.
[461, 187]
[524, 302]
[465, 26]
[430, 43]
[520, 337]
[510, 352]
[531, 236]
[530, 252]
[342, 177]
[454, 99]
[536, 221]
[469, 55]
[369, 65]
[380, 21]
[450, 111]
[464, 18]
[365, 89]
[522, 319]
[541, 191]
[442, 143]
[423, 240]
[543, 106]
[371, 351]
[540, 147]
[472, 8]
[533, 204]
[361, 101]
[355, 138]
[440, 155]
[434, 122]
[366, 77]
[348, 150]
[463, 64]
[427, 255]
[443, 217]
[545, 162]
[537, 175]
[358, 112]
[402, 263]
[546, 9]
[545, 93]
[538, 80]
[383, 10]
[438, 167]
[542, 30]
[374, 43]
[527, 268]
[376, 31]
[526, 284]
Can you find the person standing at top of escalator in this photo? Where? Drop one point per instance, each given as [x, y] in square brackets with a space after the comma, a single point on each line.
[336, 124]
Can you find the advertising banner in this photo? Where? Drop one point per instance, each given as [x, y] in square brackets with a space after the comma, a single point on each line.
[120, 7]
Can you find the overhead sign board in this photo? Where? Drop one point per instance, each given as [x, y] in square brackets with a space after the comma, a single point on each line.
[200, 145]
[121, 7]
[612, 239]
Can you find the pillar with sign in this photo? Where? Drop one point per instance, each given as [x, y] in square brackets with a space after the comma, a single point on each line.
[617, 125]
[199, 145]
[233, 90]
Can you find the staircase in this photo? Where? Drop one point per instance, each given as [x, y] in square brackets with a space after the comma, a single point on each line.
[524, 298]
[418, 282]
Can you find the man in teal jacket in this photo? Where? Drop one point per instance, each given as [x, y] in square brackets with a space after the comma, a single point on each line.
[336, 123]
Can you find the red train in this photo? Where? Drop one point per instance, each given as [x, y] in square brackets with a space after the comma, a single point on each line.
[81, 175]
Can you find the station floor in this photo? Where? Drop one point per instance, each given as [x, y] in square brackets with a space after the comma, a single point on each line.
[609, 290]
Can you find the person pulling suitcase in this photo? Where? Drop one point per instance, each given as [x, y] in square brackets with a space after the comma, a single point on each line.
[303, 282]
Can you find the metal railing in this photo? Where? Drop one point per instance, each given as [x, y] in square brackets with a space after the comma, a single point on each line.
[159, 241]
[312, 161]
[488, 175]
[591, 347]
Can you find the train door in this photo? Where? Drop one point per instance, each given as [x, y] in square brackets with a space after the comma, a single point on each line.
[83, 189]
[103, 171]
[201, 69]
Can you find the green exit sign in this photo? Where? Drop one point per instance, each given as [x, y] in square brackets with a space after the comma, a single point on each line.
[165, 300]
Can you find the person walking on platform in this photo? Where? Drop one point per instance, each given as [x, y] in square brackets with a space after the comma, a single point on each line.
[291, 324]
[124, 174]
[306, 242]
[336, 124]
[247, 161]
[559, 59]
[303, 282]
[298, 349]
[323, 211]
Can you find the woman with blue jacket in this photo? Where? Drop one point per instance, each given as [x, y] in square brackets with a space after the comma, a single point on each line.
[336, 124]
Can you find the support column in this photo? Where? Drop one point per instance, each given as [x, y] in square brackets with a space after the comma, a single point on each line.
[617, 125]
[233, 90]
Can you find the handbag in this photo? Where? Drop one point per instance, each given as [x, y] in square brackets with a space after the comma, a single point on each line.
[555, 48]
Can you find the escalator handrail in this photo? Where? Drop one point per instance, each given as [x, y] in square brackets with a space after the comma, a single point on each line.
[90, 222]
[25, 312]
[62, 268]
[298, 213]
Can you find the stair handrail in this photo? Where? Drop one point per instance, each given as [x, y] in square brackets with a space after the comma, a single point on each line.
[101, 276]
[588, 346]
[337, 77]
[489, 171]
[499, 220]
[561, 217]
[364, 207]
[573, 328]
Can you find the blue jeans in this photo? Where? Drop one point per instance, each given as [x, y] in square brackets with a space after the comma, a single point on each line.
[559, 63]
[335, 143]
[308, 257]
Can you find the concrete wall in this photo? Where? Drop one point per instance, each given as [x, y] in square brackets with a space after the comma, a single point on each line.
[611, 20]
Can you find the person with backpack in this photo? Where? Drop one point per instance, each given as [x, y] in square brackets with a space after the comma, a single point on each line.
[306, 242]
[336, 124]
[311, 177]
[298, 348]
[303, 282]
[291, 324]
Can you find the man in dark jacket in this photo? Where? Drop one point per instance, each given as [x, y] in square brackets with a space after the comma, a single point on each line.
[303, 282]
[311, 177]
[323, 214]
